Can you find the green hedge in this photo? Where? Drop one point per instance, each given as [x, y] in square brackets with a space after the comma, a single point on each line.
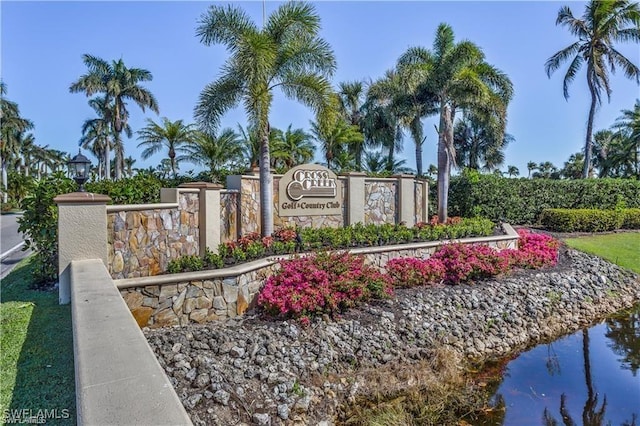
[590, 220]
[521, 201]
[631, 219]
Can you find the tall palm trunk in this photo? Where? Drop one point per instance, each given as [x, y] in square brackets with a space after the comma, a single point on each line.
[266, 182]
[445, 141]
[172, 157]
[589, 142]
[107, 161]
[419, 158]
[118, 157]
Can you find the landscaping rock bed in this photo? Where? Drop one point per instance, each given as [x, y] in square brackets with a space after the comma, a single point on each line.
[250, 370]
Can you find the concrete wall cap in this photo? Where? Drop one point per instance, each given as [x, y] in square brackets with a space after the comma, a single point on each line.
[352, 174]
[205, 185]
[82, 198]
[404, 176]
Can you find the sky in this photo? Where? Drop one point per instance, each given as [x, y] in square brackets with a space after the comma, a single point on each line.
[42, 44]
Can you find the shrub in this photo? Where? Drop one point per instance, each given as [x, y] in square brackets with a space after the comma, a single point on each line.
[457, 263]
[187, 263]
[321, 283]
[142, 188]
[631, 219]
[39, 223]
[412, 272]
[521, 201]
[582, 220]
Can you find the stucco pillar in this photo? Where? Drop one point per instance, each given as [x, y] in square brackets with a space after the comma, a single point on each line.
[355, 197]
[406, 199]
[209, 214]
[82, 234]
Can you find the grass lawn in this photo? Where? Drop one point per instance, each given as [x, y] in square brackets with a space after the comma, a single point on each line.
[36, 357]
[622, 248]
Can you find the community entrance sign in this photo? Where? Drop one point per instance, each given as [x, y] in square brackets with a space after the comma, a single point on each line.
[309, 190]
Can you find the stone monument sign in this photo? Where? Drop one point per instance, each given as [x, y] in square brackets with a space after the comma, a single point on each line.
[309, 190]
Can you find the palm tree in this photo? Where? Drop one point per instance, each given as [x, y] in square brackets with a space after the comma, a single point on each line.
[13, 125]
[531, 166]
[457, 77]
[215, 152]
[384, 117]
[477, 145]
[169, 135]
[572, 168]
[513, 171]
[602, 24]
[96, 134]
[128, 165]
[351, 96]
[119, 84]
[293, 147]
[546, 170]
[377, 163]
[627, 127]
[287, 53]
[335, 140]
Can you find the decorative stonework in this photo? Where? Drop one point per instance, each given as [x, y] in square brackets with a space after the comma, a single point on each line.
[195, 301]
[208, 299]
[229, 215]
[250, 206]
[418, 200]
[380, 201]
[142, 242]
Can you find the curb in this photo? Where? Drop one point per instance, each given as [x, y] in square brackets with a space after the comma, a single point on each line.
[11, 251]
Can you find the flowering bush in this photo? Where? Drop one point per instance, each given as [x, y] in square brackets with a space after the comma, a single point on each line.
[534, 251]
[411, 272]
[319, 283]
[456, 263]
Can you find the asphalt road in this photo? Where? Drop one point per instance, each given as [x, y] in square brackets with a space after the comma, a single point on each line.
[10, 238]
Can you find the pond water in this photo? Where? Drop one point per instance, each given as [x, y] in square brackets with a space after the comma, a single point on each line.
[591, 377]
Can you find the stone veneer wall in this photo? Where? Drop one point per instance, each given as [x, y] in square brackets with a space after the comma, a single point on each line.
[204, 300]
[250, 206]
[229, 215]
[196, 301]
[380, 201]
[418, 198]
[329, 221]
[141, 242]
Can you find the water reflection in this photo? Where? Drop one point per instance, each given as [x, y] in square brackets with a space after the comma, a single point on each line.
[588, 378]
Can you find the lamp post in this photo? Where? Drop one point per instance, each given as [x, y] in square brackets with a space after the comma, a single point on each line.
[79, 167]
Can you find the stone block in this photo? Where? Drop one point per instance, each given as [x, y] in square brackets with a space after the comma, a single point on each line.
[179, 301]
[232, 310]
[168, 290]
[142, 315]
[118, 263]
[199, 315]
[133, 299]
[166, 317]
[230, 292]
[151, 290]
[203, 303]
[151, 302]
[242, 304]
[189, 305]
[219, 303]
[193, 292]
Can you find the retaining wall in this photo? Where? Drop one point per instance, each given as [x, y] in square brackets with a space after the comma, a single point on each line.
[203, 296]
